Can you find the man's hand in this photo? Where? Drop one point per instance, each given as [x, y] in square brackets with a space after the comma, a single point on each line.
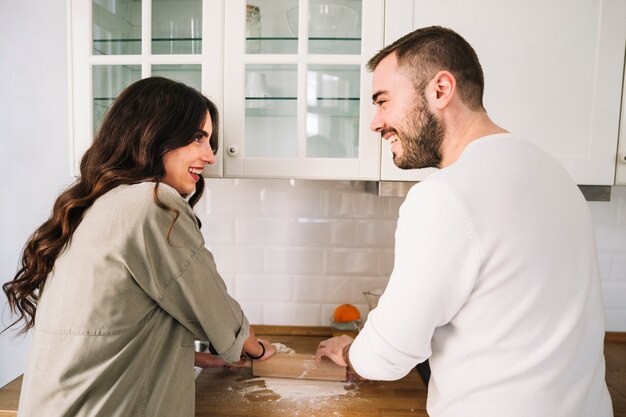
[334, 349]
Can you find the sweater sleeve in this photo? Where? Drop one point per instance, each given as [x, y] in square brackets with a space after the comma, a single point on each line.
[437, 258]
[179, 273]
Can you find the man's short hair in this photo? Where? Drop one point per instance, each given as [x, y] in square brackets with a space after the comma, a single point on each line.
[426, 51]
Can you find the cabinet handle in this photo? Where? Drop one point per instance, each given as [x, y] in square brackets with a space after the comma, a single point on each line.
[232, 151]
[622, 158]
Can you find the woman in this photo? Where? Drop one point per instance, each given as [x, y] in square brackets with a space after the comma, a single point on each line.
[117, 283]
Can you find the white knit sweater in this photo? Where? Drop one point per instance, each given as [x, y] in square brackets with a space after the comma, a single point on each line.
[496, 280]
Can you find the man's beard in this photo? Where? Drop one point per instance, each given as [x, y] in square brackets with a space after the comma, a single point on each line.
[421, 139]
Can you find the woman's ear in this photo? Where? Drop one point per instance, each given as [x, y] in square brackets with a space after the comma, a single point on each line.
[443, 87]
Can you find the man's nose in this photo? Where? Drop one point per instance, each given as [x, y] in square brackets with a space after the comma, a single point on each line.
[377, 124]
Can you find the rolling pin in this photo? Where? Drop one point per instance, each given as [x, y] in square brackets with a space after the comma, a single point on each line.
[299, 366]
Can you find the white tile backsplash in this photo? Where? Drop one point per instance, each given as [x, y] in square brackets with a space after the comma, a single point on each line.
[264, 288]
[292, 314]
[352, 261]
[265, 231]
[286, 260]
[323, 232]
[292, 250]
[618, 269]
[322, 289]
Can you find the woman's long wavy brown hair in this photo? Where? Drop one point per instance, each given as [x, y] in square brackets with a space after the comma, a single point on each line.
[149, 118]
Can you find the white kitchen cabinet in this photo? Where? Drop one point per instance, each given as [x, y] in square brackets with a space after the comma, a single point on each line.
[553, 73]
[288, 87]
[116, 42]
[296, 90]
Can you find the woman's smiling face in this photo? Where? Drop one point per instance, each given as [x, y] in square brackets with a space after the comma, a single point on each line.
[184, 165]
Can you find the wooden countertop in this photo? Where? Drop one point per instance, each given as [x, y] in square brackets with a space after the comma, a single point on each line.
[236, 393]
[226, 393]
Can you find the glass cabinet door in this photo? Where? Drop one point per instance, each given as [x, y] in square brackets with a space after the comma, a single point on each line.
[117, 42]
[294, 82]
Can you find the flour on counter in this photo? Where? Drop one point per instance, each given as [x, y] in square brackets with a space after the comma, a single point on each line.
[280, 348]
[296, 389]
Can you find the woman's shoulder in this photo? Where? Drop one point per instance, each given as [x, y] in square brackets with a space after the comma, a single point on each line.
[140, 198]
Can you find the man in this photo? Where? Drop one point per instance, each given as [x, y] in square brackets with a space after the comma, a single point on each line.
[495, 274]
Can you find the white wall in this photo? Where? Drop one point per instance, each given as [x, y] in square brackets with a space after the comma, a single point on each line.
[34, 155]
[289, 250]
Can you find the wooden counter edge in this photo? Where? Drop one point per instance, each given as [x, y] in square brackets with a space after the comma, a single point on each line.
[10, 393]
[267, 330]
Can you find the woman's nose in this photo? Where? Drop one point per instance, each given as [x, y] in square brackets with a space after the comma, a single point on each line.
[209, 157]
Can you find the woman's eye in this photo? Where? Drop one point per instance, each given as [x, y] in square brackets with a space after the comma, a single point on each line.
[199, 138]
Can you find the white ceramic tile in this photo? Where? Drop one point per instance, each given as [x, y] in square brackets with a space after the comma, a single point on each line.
[264, 230]
[218, 230]
[354, 204]
[361, 285]
[289, 314]
[352, 261]
[605, 263]
[616, 320]
[229, 280]
[294, 260]
[294, 202]
[603, 212]
[618, 271]
[317, 231]
[392, 206]
[254, 312]
[238, 259]
[385, 265]
[614, 295]
[264, 288]
[203, 206]
[611, 238]
[321, 289]
[235, 201]
[378, 233]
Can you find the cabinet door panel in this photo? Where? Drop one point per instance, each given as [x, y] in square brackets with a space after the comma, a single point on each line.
[294, 89]
[553, 72]
[116, 42]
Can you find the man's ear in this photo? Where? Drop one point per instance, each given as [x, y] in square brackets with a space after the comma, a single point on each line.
[443, 87]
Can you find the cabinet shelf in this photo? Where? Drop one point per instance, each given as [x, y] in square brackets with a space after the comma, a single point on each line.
[132, 46]
[293, 38]
[335, 107]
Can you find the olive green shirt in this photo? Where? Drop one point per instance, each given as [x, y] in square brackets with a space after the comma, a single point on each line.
[119, 313]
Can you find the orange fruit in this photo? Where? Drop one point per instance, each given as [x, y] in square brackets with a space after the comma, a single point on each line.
[345, 313]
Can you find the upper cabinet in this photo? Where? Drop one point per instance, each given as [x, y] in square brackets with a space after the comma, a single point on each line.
[290, 81]
[287, 75]
[296, 88]
[553, 73]
[117, 42]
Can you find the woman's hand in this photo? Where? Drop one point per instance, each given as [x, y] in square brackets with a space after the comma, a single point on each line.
[335, 349]
[256, 348]
[270, 349]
